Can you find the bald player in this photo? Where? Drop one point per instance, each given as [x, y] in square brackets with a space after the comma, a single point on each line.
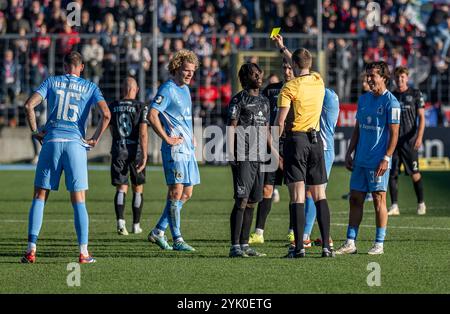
[129, 153]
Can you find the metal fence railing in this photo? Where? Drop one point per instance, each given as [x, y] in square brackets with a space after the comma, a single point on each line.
[340, 60]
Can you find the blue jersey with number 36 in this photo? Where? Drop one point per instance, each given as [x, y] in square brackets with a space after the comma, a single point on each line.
[69, 100]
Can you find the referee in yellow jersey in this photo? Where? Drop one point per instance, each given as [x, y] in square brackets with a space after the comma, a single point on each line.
[303, 149]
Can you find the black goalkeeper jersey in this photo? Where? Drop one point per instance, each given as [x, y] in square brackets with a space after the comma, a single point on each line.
[126, 117]
[410, 101]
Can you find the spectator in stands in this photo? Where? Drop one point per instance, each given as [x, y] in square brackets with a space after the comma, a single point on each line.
[56, 18]
[377, 53]
[292, 21]
[9, 78]
[3, 24]
[93, 54]
[203, 48]
[167, 13]
[18, 22]
[34, 11]
[21, 51]
[138, 57]
[208, 94]
[68, 39]
[344, 64]
[87, 25]
[245, 41]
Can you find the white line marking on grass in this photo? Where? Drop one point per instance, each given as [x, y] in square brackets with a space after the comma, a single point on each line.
[192, 220]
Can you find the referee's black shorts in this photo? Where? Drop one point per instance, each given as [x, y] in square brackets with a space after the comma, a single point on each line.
[405, 154]
[248, 180]
[304, 160]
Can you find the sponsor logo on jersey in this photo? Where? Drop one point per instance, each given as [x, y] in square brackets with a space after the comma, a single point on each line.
[159, 99]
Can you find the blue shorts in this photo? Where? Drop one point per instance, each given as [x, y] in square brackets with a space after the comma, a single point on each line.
[364, 180]
[329, 159]
[58, 156]
[180, 168]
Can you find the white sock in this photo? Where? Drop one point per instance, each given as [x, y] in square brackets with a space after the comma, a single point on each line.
[290, 230]
[137, 226]
[180, 239]
[244, 246]
[379, 243]
[350, 241]
[259, 231]
[31, 247]
[121, 223]
[305, 237]
[83, 249]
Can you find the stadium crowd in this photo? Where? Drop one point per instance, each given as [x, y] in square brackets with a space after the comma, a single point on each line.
[119, 44]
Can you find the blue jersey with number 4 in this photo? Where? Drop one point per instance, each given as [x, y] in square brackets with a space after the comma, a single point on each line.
[374, 115]
[174, 104]
[69, 100]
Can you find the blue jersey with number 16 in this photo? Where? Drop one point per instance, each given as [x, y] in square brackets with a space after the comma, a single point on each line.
[69, 100]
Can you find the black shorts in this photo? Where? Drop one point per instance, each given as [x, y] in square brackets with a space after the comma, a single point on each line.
[248, 180]
[273, 178]
[303, 160]
[405, 154]
[119, 171]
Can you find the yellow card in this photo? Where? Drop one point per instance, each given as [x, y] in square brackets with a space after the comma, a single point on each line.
[275, 31]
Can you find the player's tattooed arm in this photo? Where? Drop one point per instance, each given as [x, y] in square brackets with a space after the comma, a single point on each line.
[352, 147]
[105, 118]
[30, 104]
[153, 117]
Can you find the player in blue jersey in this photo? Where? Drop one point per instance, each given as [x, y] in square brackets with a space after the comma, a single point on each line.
[69, 101]
[373, 141]
[171, 117]
[328, 121]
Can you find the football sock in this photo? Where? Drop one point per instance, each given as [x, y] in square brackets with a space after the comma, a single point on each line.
[35, 221]
[306, 236]
[393, 189]
[323, 219]
[264, 208]
[259, 231]
[244, 246]
[84, 249]
[310, 215]
[291, 218]
[138, 201]
[246, 225]
[418, 188]
[236, 219]
[81, 222]
[119, 204]
[121, 223]
[175, 219]
[352, 232]
[163, 222]
[380, 234]
[298, 213]
[31, 247]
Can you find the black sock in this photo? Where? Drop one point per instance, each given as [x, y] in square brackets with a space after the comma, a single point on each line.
[418, 187]
[119, 208]
[246, 225]
[393, 188]
[291, 217]
[264, 208]
[138, 201]
[298, 216]
[323, 220]
[236, 219]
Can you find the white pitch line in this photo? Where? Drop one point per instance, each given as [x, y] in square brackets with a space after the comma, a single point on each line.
[192, 220]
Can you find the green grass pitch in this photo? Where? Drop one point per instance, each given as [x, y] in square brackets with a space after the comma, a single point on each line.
[416, 259]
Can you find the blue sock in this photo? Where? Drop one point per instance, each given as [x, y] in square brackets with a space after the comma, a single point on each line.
[81, 222]
[174, 218]
[352, 232]
[163, 222]
[380, 235]
[35, 219]
[310, 215]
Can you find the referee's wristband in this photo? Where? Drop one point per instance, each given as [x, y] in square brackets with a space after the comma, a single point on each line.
[283, 49]
[387, 158]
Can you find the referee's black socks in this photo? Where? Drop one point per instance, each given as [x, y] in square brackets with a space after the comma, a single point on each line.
[393, 189]
[323, 220]
[247, 224]
[298, 219]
